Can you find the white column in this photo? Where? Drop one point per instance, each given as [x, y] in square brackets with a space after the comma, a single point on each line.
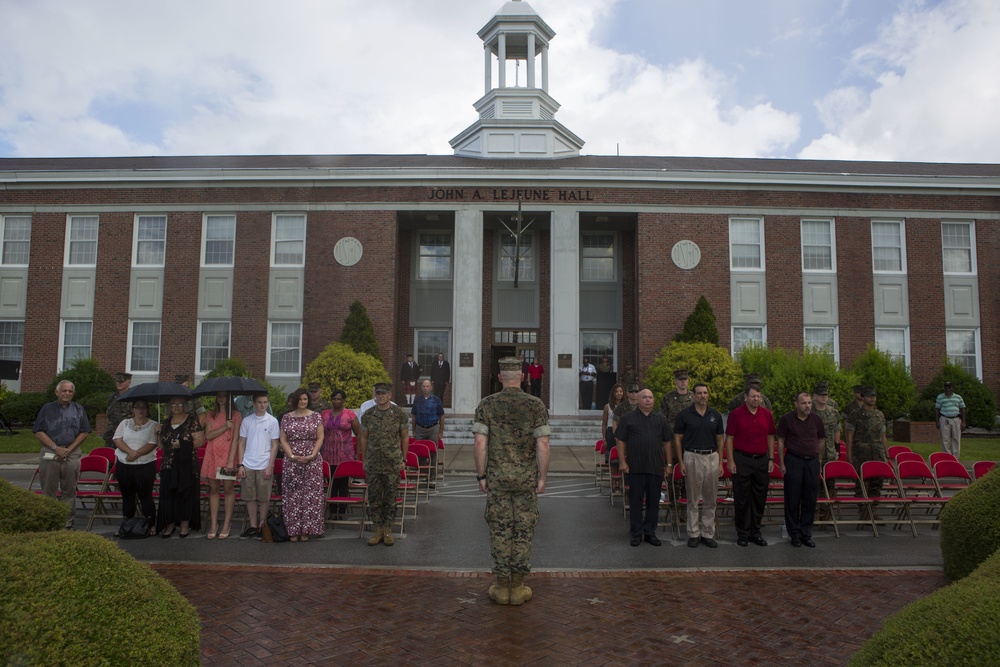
[488, 64]
[545, 67]
[531, 60]
[564, 320]
[468, 311]
[502, 61]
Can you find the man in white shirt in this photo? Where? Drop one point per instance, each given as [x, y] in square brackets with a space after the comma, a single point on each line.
[588, 374]
[259, 436]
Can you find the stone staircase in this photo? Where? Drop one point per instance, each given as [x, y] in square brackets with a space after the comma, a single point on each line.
[566, 431]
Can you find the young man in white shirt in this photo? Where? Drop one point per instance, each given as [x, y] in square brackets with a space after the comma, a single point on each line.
[259, 437]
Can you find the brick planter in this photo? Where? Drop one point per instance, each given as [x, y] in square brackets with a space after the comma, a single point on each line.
[904, 430]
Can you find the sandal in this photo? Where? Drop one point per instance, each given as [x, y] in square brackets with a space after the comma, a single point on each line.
[304, 538]
[166, 534]
[293, 538]
[223, 536]
[212, 533]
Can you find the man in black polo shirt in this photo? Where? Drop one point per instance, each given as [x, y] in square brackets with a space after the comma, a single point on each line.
[698, 438]
[800, 434]
[643, 438]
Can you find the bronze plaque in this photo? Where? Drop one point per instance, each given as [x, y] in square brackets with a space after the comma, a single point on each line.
[565, 361]
[466, 359]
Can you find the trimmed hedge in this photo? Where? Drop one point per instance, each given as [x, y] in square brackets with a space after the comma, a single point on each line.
[956, 625]
[981, 405]
[338, 366]
[22, 511]
[74, 598]
[705, 362]
[24, 407]
[970, 526]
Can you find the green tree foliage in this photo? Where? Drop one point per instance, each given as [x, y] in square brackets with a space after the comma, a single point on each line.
[87, 377]
[234, 367]
[22, 511]
[970, 526]
[891, 378]
[338, 366]
[980, 404]
[359, 333]
[785, 373]
[24, 407]
[705, 362]
[699, 327]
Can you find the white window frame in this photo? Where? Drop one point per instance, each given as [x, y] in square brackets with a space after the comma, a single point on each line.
[270, 349]
[976, 342]
[204, 240]
[902, 245]
[450, 256]
[63, 362]
[906, 341]
[68, 254]
[733, 350]
[835, 343]
[972, 247]
[3, 345]
[614, 257]
[129, 349]
[594, 359]
[3, 238]
[533, 241]
[135, 241]
[760, 231]
[202, 370]
[833, 244]
[423, 361]
[274, 239]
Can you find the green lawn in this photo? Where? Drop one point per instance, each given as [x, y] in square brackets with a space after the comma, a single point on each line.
[973, 449]
[25, 442]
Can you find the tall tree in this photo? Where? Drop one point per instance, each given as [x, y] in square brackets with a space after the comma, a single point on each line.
[699, 327]
[358, 331]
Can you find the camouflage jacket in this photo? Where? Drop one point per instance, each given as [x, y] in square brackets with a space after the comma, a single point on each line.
[511, 421]
[672, 404]
[383, 427]
[868, 427]
[831, 423]
[117, 412]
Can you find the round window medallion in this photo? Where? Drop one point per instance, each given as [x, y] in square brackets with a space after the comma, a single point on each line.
[686, 254]
[348, 251]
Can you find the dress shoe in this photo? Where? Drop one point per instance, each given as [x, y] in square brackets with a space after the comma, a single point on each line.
[742, 542]
[759, 541]
[709, 542]
[808, 541]
[635, 541]
[652, 539]
[693, 542]
[796, 542]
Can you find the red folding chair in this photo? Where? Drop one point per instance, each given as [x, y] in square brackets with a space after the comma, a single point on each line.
[897, 449]
[907, 456]
[347, 510]
[941, 456]
[841, 476]
[980, 468]
[892, 499]
[951, 476]
[423, 471]
[919, 486]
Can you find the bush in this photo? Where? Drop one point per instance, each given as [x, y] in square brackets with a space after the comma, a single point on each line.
[956, 625]
[340, 367]
[922, 411]
[705, 362]
[74, 598]
[24, 407]
[980, 404]
[970, 526]
[891, 378]
[358, 332]
[233, 367]
[94, 404]
[22, 511]
[785, 373]
[87, 378]
[699, 327]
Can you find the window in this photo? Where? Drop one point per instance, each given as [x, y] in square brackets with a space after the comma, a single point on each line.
[597, 257]
[894, 341]
[11, 340]
[429, 344]
[145, 346]
[285, 348]
[289, 240]
[962, 347]
[220, 240]
[515, 337]
[822, 338]
[81, 240]
[747, 336]
[213, 345]
[817, 245]
[887, 246]
[597, 344]
[16, 240]
[76, 341]
[150, 240]
[434, 256]
[526, 270]
[957, 247]
[746, 243]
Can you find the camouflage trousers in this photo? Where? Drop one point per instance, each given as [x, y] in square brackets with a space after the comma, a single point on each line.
[862, 453]
[382, 489]
[511, 517]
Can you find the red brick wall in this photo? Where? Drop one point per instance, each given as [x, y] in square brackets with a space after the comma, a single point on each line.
[179, 322]
[41, 320]
[988, 259]
[926, 288]
[854, 287]
[783, 261]
[111, 291]
[251, 260]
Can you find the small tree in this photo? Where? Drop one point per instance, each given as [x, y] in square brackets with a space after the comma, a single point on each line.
[785, 373]
[705, 362]
[359, 333]
[891, 378]
[340, 367]
[699, 327]
[87, 377]
[980, 404]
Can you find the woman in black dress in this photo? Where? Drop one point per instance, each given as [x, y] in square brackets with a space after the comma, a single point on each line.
[180, 488]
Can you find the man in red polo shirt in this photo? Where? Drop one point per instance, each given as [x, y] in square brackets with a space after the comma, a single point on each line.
[750, 451]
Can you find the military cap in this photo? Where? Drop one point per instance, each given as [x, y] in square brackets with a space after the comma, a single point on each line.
[382, 388]
[857, 388]
[681, 374]
[633, 387]
[314, 386]
[868, 391]
[948, 383]
[510, 364]
[122, 377]
[821, 389]
[181, 378]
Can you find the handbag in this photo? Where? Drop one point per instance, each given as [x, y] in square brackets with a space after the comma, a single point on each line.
[275, 525]
[136, 528]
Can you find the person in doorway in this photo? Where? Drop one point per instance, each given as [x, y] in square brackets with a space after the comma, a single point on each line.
[535, 372]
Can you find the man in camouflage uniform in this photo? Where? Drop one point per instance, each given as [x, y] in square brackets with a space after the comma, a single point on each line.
[511, 431]
[316, 401]
[854, 405]
[381, 445]
[826, 408]
[866, 439]
[752, 380]
[672, 404]
[118, 411]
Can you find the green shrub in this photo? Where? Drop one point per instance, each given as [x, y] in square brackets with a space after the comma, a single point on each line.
[705, 362]
[74, 598]
[980, 404]
[922, 411]
[970, 526]
[24, 407]
[956, 625]
[94, 404]
[891, 378]
[22, 511]
[359, 333]
[785, 373]
[699, 327]
[87, 378]
[340, 367]
[233, 367]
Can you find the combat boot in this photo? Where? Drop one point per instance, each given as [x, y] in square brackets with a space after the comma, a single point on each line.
[387, 537]
[377, 537]
[519, 593]
[500, 590]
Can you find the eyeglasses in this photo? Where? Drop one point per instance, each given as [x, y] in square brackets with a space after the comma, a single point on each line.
[633, 391]
[177, 405]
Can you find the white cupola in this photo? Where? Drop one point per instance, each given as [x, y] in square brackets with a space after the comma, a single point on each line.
[516, 120]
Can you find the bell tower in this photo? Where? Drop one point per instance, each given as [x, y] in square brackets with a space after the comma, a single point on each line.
[516, 120]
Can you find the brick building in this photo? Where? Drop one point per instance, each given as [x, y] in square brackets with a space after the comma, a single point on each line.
[162, 265]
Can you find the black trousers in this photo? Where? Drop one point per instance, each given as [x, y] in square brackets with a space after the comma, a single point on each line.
[643, 492]
[801, 490]
[586, 395]
[749, 493]
[536, 387]
[136, 483]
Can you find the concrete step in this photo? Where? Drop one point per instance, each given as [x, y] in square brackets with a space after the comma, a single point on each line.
[566, 431]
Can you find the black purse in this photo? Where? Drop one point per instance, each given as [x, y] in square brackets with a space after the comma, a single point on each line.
[276, 527]
[136, 528]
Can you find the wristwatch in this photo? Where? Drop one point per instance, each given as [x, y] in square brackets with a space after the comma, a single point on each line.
[480, 478]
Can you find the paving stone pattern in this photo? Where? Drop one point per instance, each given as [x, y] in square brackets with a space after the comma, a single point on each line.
[335, 616]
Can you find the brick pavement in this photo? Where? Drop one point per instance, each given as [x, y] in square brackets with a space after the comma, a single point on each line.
[324, 616]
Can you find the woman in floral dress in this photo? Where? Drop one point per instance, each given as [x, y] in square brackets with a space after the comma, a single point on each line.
[304, 497]
[339, 425]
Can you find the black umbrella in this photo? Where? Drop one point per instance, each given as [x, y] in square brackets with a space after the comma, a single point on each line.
[231, 384]
[155, 392]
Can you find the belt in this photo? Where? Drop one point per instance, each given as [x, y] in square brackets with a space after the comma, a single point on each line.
[799, 456]
[950, 416]
[427, 425]
[750, 456]
[700, 451]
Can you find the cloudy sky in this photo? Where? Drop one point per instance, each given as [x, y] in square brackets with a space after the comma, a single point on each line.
[845, 79]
